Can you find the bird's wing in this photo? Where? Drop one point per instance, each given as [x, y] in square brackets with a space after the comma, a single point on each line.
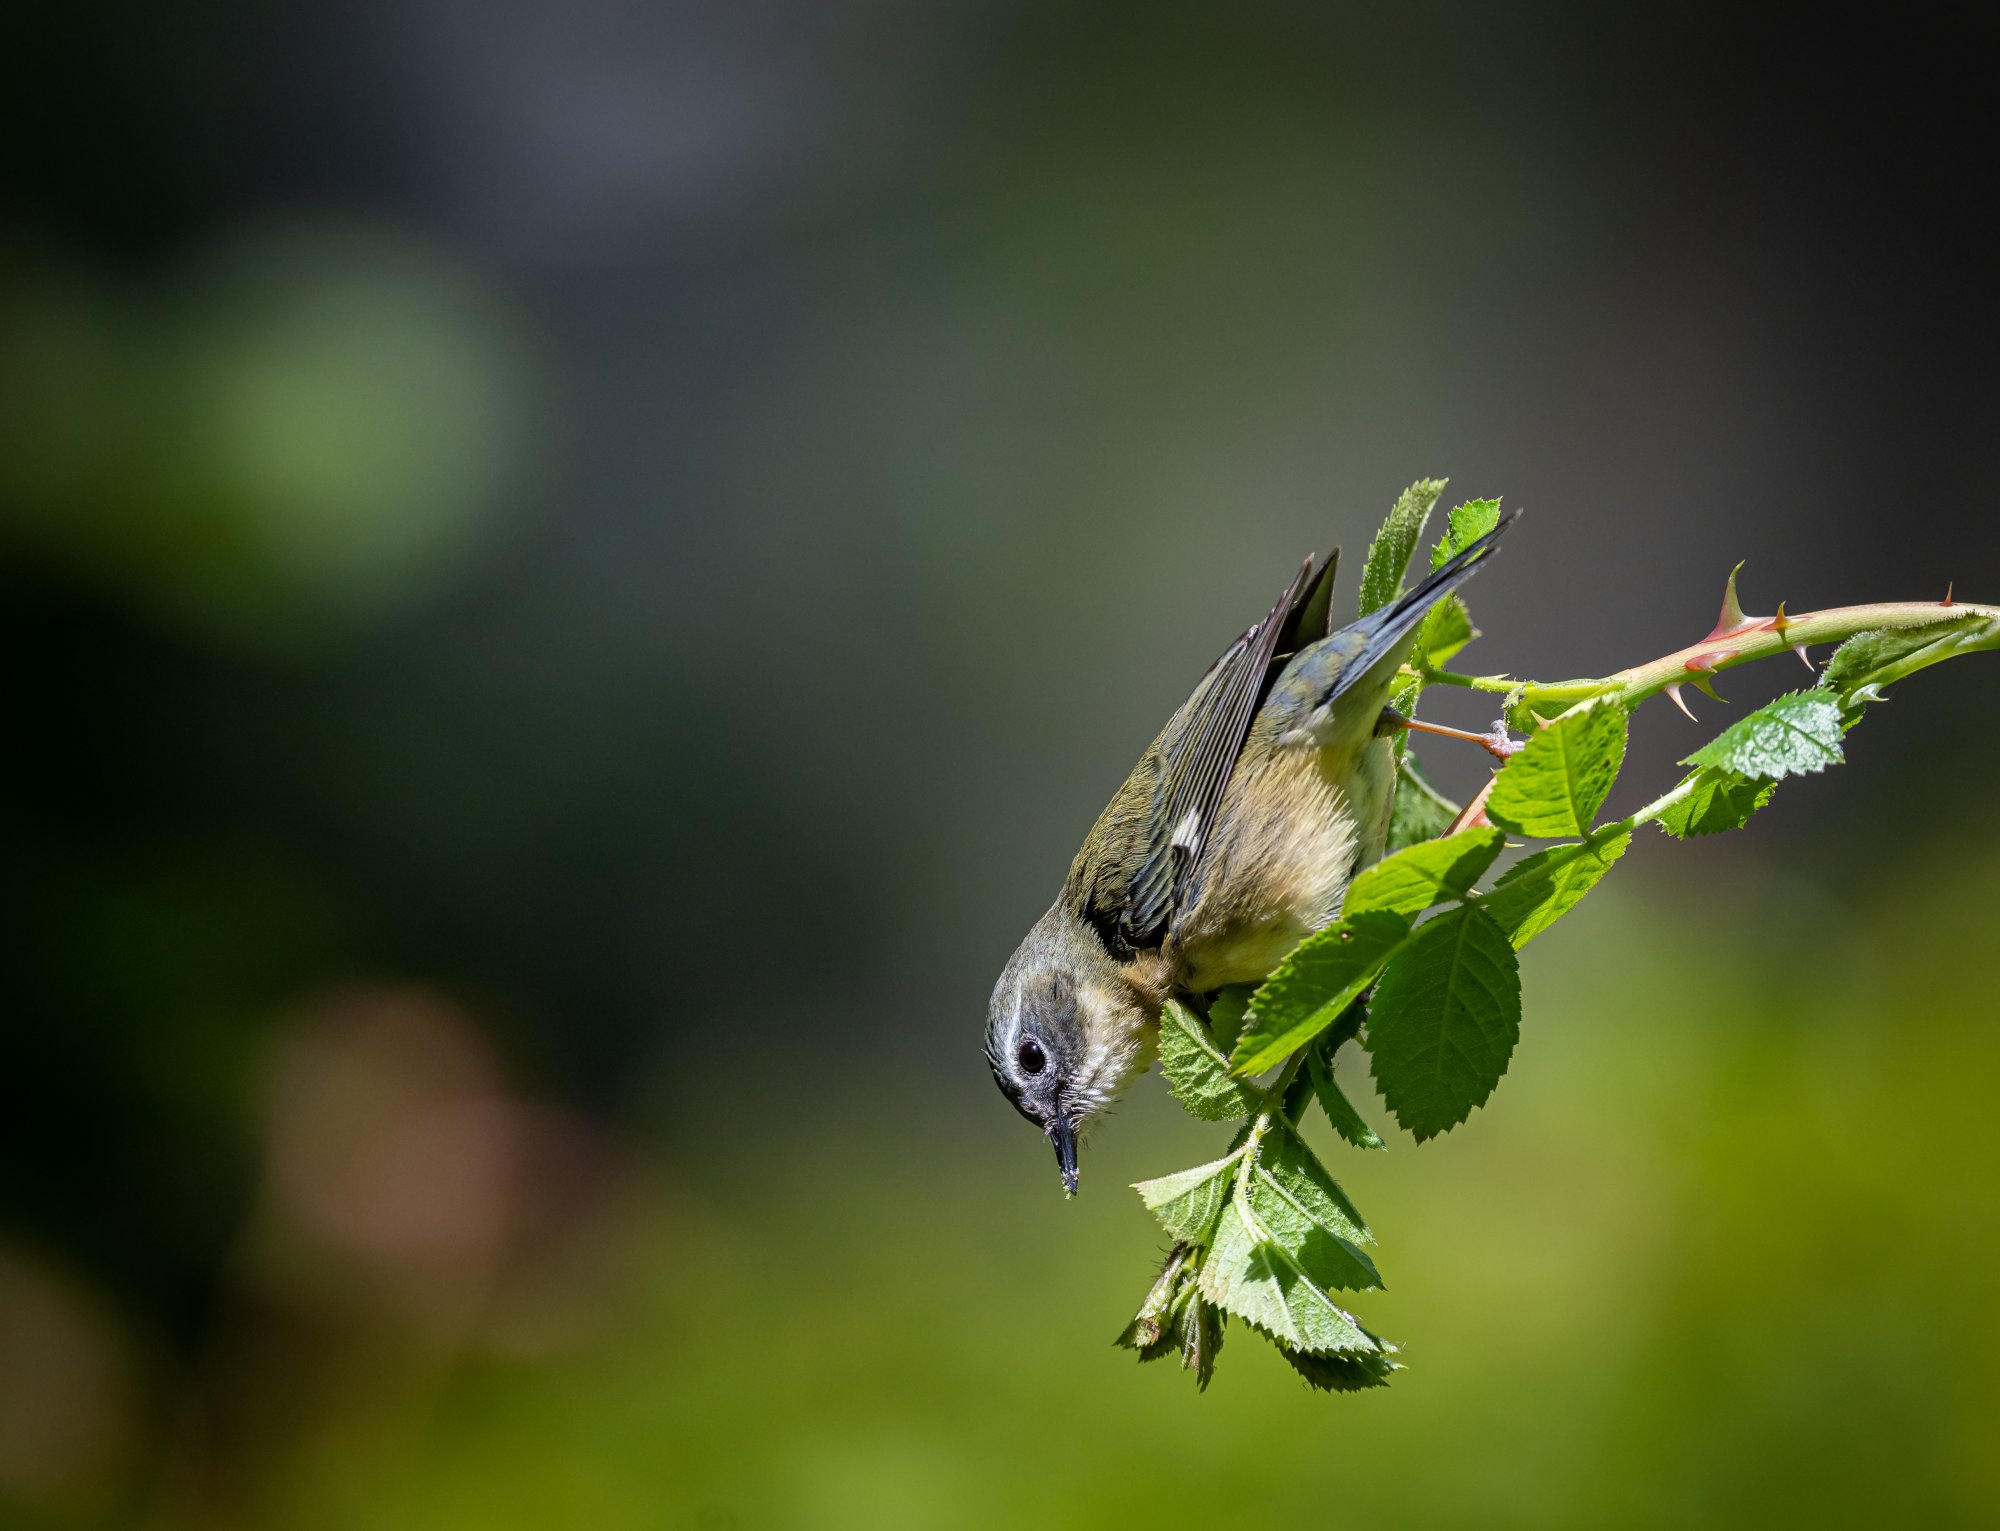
[1197, 751]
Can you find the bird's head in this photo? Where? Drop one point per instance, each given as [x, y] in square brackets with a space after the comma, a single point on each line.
[1065, 1032]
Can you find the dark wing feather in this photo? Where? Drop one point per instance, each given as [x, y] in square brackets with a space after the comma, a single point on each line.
[1198, 750]
[1386, 634]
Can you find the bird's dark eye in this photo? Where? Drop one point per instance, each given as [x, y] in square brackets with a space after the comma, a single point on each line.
[1030, 1056]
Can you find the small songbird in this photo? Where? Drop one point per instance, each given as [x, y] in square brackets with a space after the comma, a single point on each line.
[1232, 840]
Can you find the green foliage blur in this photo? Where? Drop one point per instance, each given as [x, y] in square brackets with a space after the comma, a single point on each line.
[570, 579]
[1722, 1254]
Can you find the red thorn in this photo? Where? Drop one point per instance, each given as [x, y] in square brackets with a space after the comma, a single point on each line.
[1732, 620]
[1732, 609]
[1800, 650]
[1673, 690]
[1700, 667]
[1947, 595]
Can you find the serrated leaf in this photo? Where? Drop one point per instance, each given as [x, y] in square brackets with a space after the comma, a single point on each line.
[1465, 526]
[1175, 1317]
[1188, 1203]
[1311, 987]
[1199, 1334]
[1444, 1019]
[1418, 876]
[1528, 703]
[1347, 1121]
[1389, 554]
[1446, 628]
[1555, 785]
[1719, 800]
[1341, 1374]
[1403, 699]
[1419, 811]
[1797, 733]
[1869, 661]
[1147, 1331]
[1307, 1214]
[1225, 1014]
[1248, 1274]
[1540, 889]
[1346, 1026]
[1197, 1073]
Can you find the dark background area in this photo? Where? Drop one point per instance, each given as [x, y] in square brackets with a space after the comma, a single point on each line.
[572, 577]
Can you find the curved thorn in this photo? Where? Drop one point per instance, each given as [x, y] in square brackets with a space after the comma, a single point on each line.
[1673, 691]
[1947, 593]
[1706, 686]
[1732, 619]
[1732, 609]
[1800, 650]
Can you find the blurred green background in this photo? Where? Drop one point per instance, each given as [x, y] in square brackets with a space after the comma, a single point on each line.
[572, 576]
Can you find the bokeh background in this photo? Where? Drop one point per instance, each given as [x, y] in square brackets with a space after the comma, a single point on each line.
[572, 576]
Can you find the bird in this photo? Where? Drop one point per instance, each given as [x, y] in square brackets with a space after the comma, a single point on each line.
[1234, 838]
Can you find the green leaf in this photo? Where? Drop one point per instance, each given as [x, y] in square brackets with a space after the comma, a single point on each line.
[1175, 1317]
[1528, 703]
[1798, 732]
[1419, 811]
[1196, 1072]
[1865, 663]
[1199, 1334]
[1307, 1215]
[1556, 784]
[1147, 1331]
[1342, 1374]
[1389, 553]
[1247, 1273]
[1339, 1111]
[1465, 526]
[1413, 879]
[1225, 1014]
[1444, 1019]
[1540, 889]
[1446, 628]
[1346, 1026]
[1719, 800]
[1311, 987]
[1187, 1204]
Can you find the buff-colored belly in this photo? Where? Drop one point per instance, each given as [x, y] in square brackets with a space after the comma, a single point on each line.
[1284, 848]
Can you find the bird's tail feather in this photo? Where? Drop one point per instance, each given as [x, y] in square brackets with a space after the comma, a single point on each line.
[1384, 631]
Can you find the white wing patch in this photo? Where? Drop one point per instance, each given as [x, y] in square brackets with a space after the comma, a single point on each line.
[1283, 848]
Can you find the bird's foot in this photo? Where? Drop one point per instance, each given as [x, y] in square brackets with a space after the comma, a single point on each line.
[1496, 741]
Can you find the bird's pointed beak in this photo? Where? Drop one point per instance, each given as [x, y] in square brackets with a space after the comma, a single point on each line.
[1063, 1135]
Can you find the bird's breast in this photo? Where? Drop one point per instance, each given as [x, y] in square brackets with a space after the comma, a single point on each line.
[1284, 846]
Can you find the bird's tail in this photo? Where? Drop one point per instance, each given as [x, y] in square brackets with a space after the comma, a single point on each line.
[1385, 632]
